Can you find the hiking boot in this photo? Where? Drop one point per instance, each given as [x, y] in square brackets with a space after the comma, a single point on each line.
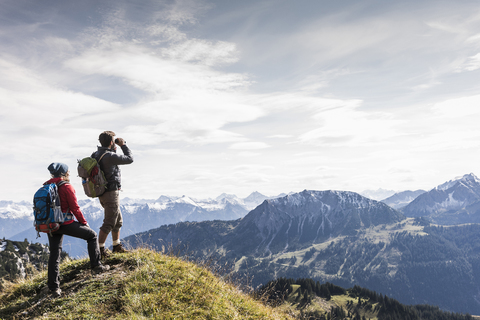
[55, 293]
[100, 269]
[119, 249]
[104, 253]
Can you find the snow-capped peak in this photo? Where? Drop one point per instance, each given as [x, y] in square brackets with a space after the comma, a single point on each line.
[254, 196]
[465, 178]
[328, 198]
[187, 200]
[471, 177]
[226, 196]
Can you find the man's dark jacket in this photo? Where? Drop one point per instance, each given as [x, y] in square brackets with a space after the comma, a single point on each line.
[109, 165]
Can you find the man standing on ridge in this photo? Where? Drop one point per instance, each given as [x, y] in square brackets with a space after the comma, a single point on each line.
[110, 199]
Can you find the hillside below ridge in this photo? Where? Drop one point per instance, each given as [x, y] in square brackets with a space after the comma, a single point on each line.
[378, 235]
[140, 284]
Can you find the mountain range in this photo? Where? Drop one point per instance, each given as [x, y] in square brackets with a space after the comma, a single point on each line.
[401, 199]
[308, 217]
[343, 238]
[278, 226]
[16, 219]
[336, 236]
[454, 202]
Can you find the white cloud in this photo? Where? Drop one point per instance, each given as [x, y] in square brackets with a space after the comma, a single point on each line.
[464, 107]
[227, 101]
[250, 145]
[342, 124]
[280, 136]
[474, 38]
[38, 113]
[473, 63]
[202, 51]
[248, 154]
[151, 73]
[186, 99]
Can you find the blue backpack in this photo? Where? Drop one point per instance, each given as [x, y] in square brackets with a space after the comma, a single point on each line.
[48, 215]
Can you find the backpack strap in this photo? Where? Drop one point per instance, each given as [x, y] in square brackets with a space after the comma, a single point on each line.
[102, 157]
[98, 161]
[101, 167]
[61, 183]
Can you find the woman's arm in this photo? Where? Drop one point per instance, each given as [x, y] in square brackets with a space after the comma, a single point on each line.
[71, 201]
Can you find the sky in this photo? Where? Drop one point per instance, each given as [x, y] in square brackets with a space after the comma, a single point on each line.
[234, 97]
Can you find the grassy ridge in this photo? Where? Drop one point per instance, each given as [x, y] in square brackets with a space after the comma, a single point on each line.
[141, 284]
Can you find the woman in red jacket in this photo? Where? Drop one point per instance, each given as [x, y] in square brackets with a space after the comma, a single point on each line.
[78, 228]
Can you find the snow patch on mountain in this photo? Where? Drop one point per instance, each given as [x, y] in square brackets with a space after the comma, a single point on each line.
[154, 206]
[130, 201]
[308, 206]
[453, 202]
[293, 199]
[219, 203]
[467, 178]
[340, 198]
[449, 203]
[186, 200]
[129, 209]
[165, 202]
[11, 210]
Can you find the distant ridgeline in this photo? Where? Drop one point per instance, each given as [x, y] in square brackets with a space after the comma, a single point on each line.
[21, 258]
[355, 303]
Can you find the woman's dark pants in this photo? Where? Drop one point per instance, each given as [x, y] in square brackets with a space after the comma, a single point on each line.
[76, 230]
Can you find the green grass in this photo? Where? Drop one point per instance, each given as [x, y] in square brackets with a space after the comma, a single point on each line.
[142, 284]
[322, 306]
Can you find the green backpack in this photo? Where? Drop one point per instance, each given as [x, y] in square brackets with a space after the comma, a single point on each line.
[93, 180]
